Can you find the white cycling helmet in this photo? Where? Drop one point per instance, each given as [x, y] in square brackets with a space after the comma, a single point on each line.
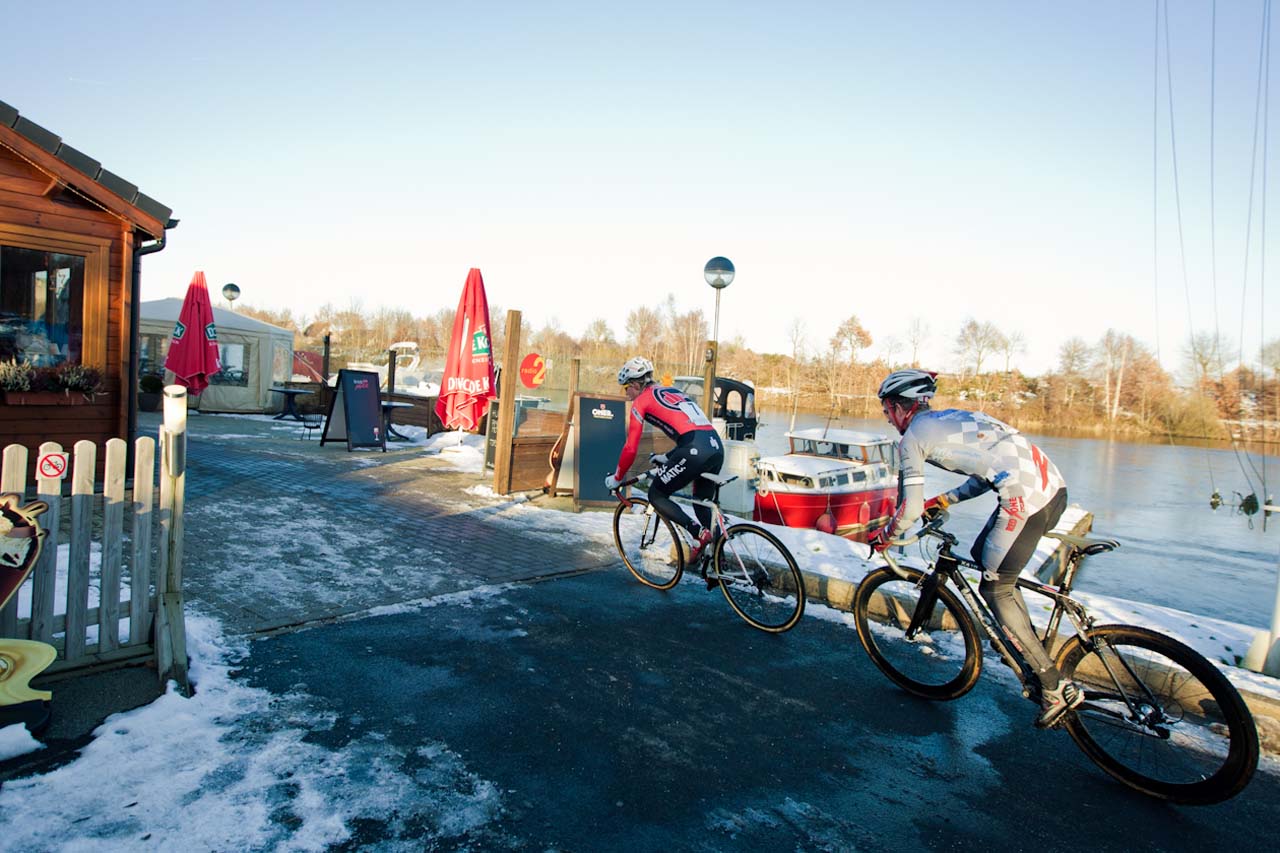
[636, 368]
[910, 384]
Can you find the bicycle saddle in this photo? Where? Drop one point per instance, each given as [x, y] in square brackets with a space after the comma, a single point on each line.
[1083, 545]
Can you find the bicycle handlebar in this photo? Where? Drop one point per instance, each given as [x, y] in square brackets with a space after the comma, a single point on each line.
[643, 475]
[932, 527]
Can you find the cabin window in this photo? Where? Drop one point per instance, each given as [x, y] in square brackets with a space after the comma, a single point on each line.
[41, 306]
[859, 476]
[53, 297]
[842, 480]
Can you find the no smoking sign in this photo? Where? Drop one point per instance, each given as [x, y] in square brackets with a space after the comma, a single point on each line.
[52, 466]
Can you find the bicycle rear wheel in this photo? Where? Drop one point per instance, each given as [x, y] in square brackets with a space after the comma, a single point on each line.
[941, 659]
[760, 578]
[648, 544]
[1184, 735]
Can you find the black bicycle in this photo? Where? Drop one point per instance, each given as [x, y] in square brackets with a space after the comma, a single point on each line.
[754, 570]
[1157, 715]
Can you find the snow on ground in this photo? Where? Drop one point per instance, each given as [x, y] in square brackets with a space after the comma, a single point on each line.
[231, 769]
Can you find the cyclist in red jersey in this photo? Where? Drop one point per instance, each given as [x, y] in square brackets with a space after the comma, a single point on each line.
[698, 448]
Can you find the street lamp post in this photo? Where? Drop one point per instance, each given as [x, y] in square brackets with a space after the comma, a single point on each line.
[719, 273]
[231, 292]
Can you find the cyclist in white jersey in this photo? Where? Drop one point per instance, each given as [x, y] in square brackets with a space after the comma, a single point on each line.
[1031, 496]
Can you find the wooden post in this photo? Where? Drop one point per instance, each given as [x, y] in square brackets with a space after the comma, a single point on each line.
[171, 629]
[560, 450]
[709, 379]
[13, 478]
[507, 406]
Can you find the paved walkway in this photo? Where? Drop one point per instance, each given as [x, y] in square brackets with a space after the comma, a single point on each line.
[320, 532]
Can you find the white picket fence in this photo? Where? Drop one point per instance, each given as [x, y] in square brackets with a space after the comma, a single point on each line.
[129, 582]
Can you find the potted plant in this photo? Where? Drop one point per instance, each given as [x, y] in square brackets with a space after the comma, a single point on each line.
[150, 392]
[64, 384]
[15, 378]
[75, 379]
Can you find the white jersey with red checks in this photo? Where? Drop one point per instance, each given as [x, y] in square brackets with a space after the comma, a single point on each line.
[993, 454]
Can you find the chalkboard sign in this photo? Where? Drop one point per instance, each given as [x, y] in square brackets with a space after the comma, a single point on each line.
[600, 430]
[355, 412]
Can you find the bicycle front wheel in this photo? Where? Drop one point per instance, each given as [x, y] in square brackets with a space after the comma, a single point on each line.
[1158, 716]
[760, 578]
[938, 659]
[648, 544]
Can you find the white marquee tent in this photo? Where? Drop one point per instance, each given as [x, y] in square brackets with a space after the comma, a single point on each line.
[255, 355]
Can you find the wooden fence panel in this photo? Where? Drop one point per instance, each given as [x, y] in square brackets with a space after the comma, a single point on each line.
[86, 460]
[140, 607]
[13, 478]
[112, 534]
[69, 631]
[44, 581]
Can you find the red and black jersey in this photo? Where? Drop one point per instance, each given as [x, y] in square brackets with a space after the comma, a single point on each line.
[670, 410]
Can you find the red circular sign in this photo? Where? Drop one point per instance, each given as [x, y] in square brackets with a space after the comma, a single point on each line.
[533, 370]
[52, 465]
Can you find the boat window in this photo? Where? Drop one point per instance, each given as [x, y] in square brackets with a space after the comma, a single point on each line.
[805, 482]
[749, 408]
[842, 480]
[859, 476]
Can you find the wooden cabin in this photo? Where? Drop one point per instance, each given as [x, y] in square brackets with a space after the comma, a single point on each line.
[72, 238]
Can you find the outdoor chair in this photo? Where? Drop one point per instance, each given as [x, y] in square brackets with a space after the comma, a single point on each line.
[308, 426]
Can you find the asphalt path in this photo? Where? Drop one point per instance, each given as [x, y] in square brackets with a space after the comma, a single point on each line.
[597, 714]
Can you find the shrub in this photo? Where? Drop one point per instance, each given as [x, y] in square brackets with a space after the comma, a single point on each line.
[150, 384]
[16, 375]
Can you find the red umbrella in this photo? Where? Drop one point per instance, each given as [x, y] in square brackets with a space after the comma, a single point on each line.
[193, 354]
[467, 386]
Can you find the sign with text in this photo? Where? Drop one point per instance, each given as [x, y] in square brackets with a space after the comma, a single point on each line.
[600, 430]
[355, 412]
[533, 370]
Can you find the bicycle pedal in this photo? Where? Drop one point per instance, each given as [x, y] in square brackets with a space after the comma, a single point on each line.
[712, 583]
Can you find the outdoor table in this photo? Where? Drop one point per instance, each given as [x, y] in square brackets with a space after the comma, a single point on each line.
[388, 407]
[290, 408]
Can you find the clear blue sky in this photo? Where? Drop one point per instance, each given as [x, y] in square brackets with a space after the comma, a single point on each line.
[890, 160]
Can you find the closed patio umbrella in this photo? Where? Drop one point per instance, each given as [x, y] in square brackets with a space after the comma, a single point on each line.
[193, 354]
[467, 385]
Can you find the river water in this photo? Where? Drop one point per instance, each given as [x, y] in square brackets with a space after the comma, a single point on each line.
[1154, 499]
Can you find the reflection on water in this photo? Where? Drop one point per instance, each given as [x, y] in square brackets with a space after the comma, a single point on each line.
[1152, 497]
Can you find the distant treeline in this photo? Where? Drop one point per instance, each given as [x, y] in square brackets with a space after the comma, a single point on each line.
[1115, 384]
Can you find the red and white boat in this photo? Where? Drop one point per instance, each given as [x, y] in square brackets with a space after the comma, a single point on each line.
[835, 480]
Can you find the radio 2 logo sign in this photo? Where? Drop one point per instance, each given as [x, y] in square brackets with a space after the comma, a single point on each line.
[602, 412]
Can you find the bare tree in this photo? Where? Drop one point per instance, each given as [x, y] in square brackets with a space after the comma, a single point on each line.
[1011, 345]
[1114, 351]
[796, 334]
[1073, 357]
[916, 333]
[975, 343]
[643, 327]
[598, 338]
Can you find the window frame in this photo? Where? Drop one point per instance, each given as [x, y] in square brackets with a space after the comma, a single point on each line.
[96, 252]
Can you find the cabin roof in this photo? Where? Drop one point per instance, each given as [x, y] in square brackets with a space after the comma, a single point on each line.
[46, 150]
[838, 436]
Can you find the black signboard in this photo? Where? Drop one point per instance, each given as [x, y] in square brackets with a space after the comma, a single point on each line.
[600, 430]
[355, 412]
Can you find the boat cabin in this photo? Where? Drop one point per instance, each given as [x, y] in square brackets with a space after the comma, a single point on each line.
[732, 401]
[831, 460]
